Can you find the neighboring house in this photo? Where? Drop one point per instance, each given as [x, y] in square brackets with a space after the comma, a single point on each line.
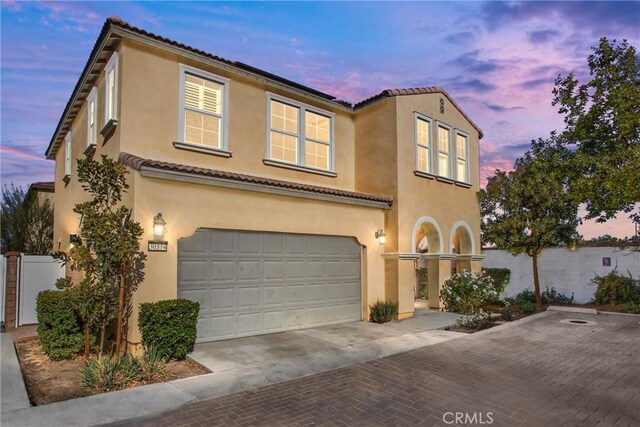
[272, 192]
[42, 191]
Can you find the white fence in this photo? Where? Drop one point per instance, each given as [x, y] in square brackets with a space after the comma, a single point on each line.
[3, 275]
[566, 270]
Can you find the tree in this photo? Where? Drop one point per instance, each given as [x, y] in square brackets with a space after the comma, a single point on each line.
[108, 254]
[602, 118]
[26, 223]
[530, 208]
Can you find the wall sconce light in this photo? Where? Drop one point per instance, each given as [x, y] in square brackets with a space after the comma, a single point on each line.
[158, 227]
[74, 239]
[381, 237]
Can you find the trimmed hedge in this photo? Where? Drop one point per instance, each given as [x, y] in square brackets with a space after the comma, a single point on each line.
[59, 327]
[169, 326]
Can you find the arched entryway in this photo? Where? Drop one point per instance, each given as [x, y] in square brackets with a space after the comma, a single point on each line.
[425, 240]
[462, 244]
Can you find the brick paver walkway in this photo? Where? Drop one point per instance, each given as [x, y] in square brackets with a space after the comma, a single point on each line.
[537, 373]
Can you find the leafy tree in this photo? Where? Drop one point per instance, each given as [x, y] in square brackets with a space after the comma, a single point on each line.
[530, 207]
[26, 223]
[108, 254]
[602, 118]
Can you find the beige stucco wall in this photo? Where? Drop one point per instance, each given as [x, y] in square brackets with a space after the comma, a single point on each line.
[186, 207]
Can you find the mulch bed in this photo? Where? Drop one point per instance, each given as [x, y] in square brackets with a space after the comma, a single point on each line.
[48, 381]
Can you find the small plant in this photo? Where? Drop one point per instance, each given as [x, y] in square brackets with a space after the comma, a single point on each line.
[476, 322]
[467, 292]
[507, 312]
[152, 366]
[526, 307]
[383, 311]
[102, 374]
[59, 326]
[169, 326]
[525, 295]
[551, 296]
[616, 289]
[632, 307]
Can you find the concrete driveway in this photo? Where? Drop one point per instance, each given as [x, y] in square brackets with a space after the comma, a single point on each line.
[541, 371]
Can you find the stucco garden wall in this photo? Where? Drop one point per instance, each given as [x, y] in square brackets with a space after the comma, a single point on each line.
[568, 271]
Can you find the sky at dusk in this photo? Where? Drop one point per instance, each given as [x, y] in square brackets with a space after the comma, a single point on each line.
[497, 59]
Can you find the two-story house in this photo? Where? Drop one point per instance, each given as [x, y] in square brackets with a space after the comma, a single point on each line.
[284, 207]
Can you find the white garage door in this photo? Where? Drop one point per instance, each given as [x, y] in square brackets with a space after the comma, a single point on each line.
[251, 283]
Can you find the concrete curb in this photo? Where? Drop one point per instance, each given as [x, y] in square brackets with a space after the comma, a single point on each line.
[618, 314]
[572, 309]
[13, 390]
[513, 323]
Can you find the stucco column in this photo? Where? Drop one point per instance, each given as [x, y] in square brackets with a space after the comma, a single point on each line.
[11, 291]
[463, 263]
[439, 271]
[476, 263]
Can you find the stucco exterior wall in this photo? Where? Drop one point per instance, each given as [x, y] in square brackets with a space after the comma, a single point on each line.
[187, 207]
[566, 270]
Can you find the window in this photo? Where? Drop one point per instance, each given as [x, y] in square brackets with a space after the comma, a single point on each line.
[444, 143]
[309, 145]
[423, 143]
[67, 155]
[203, 103]
[462, 156]
[92, 133]
[111, 90]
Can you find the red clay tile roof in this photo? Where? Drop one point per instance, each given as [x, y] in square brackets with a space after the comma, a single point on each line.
[415, 91]
[138, 163]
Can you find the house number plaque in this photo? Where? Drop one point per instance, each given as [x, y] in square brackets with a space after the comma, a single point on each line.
[157, 246]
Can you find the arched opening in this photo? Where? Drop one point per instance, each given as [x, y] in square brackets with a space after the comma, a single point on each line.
[462, 245]
[426, 239]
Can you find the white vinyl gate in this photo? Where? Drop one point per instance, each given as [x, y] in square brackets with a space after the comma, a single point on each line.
[37, 273]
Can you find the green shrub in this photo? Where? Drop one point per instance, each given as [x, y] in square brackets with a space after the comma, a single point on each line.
[383, 311]
[632, 307]
[526, 307]
[169, 326]
[526, 295]
[59, 326]
[476, 322]
[102, 374]
[507, 312]
[500, 277]
[551, 296]
[423, 283]
[616, 289]
[467, 292]
[152, 366]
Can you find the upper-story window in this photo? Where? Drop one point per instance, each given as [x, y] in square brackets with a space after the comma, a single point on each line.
[300, 135]
[444, 149]
[92, 113]
[203, 106]
[67, 155]
[462, 157]
[423, 143]
[111, 89]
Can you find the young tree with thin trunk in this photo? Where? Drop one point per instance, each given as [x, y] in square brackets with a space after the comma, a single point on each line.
[529, 208]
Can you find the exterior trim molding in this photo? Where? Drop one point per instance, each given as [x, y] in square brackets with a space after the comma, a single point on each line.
[466, 226]
[151, 172]
[201, 149]
[285, 165]
[421, 221]
[401, 255]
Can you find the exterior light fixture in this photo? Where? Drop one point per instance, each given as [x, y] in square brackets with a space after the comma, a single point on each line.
[381, 237]
[74, 239]
[158, 244]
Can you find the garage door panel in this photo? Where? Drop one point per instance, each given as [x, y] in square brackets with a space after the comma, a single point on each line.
[251, 283]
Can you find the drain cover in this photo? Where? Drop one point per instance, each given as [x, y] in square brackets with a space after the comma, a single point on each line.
[577, 322]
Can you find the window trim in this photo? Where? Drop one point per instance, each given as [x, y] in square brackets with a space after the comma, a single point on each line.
[429, 147]
[439, 125]
[67, 156]
[301, 136]
[113, 64]
[224, 141]
[466, 158]
[92, 134]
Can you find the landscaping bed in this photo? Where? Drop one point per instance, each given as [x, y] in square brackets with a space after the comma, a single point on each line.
[53, 381]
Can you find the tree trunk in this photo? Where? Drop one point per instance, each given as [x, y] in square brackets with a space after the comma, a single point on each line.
[536, 281]
[103, 326]
[120, 312]
[86, 341]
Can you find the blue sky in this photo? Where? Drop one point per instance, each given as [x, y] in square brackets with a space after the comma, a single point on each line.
[497, 59]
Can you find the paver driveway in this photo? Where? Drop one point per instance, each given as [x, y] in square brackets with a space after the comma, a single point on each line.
[540, 372]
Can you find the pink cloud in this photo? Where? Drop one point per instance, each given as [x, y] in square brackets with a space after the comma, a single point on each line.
[11, 5]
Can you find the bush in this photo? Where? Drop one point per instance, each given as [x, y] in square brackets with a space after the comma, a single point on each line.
[616, 289]
[526, 307]
[383, 311]
[476, 322]
[102, 373]
[59, 326]
[551, 296]
[152, 366]
[500, 277]
[467, 292]
[525, 295]
[169, 326]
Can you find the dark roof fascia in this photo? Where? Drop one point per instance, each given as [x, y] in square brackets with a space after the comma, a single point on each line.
[250, 182]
